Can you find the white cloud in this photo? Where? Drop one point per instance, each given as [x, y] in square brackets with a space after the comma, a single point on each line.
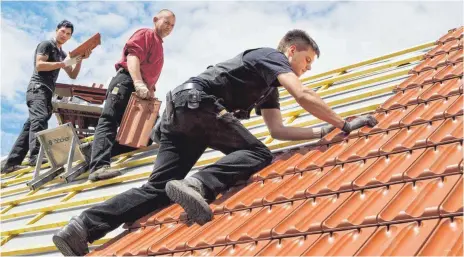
[7, 140]
[16, 61]
[210, 32]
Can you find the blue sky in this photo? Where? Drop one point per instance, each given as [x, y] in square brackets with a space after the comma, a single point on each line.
[206, 33]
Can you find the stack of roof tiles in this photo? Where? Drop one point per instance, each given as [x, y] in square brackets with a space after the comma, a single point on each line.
[395, 189]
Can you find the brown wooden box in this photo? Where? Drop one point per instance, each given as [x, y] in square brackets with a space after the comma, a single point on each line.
[91, 43]
[138, 121]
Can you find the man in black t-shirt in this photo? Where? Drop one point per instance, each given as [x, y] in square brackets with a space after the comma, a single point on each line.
[49, 58]
[204, 112]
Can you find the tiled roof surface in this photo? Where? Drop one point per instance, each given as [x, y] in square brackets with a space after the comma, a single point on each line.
[395, 189]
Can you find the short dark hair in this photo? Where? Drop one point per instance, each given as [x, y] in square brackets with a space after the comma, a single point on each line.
[299, 38]
[67, 24]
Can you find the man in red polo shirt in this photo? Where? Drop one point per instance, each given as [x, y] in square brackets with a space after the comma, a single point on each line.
[138, 70]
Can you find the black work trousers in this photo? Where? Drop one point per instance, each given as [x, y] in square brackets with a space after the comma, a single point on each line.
[40, 110]
[104, 145]
[183, 140]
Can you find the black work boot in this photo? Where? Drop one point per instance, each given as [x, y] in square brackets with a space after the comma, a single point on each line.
[71, 240]
[192, 196]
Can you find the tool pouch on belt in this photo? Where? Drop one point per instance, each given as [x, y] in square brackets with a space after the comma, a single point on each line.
[194, 98]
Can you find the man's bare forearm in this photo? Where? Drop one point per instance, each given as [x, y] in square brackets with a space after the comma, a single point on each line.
[312, 103]
[309, 100]
[295, 133]
[49, 66]
[133, 64]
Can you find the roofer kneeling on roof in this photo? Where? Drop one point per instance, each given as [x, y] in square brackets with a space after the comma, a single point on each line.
[137, 71]
[49, 59]
[205, 112]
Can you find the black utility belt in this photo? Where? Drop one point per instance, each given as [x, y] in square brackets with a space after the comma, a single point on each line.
[186, 86]
[193, 101]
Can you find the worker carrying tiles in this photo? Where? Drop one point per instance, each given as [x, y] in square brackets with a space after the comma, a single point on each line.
[137, 71]
[205, 112]
[49, 59]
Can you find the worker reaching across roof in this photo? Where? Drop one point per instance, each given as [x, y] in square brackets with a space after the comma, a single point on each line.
[49, 59]
[204, 112]
[138, 70]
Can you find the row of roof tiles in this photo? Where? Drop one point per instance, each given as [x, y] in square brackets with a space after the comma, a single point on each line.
[440, 60]
[446, 47]
[432, 76]
[453, 34]
[379, 206]
[424, 93]
[375, 172]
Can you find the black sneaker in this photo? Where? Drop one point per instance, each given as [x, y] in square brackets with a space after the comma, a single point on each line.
[105, 172]
[10, 168]
[71, 240]
[191, 195]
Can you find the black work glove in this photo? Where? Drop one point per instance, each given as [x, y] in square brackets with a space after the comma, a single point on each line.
[359, 122]
[326, 130]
